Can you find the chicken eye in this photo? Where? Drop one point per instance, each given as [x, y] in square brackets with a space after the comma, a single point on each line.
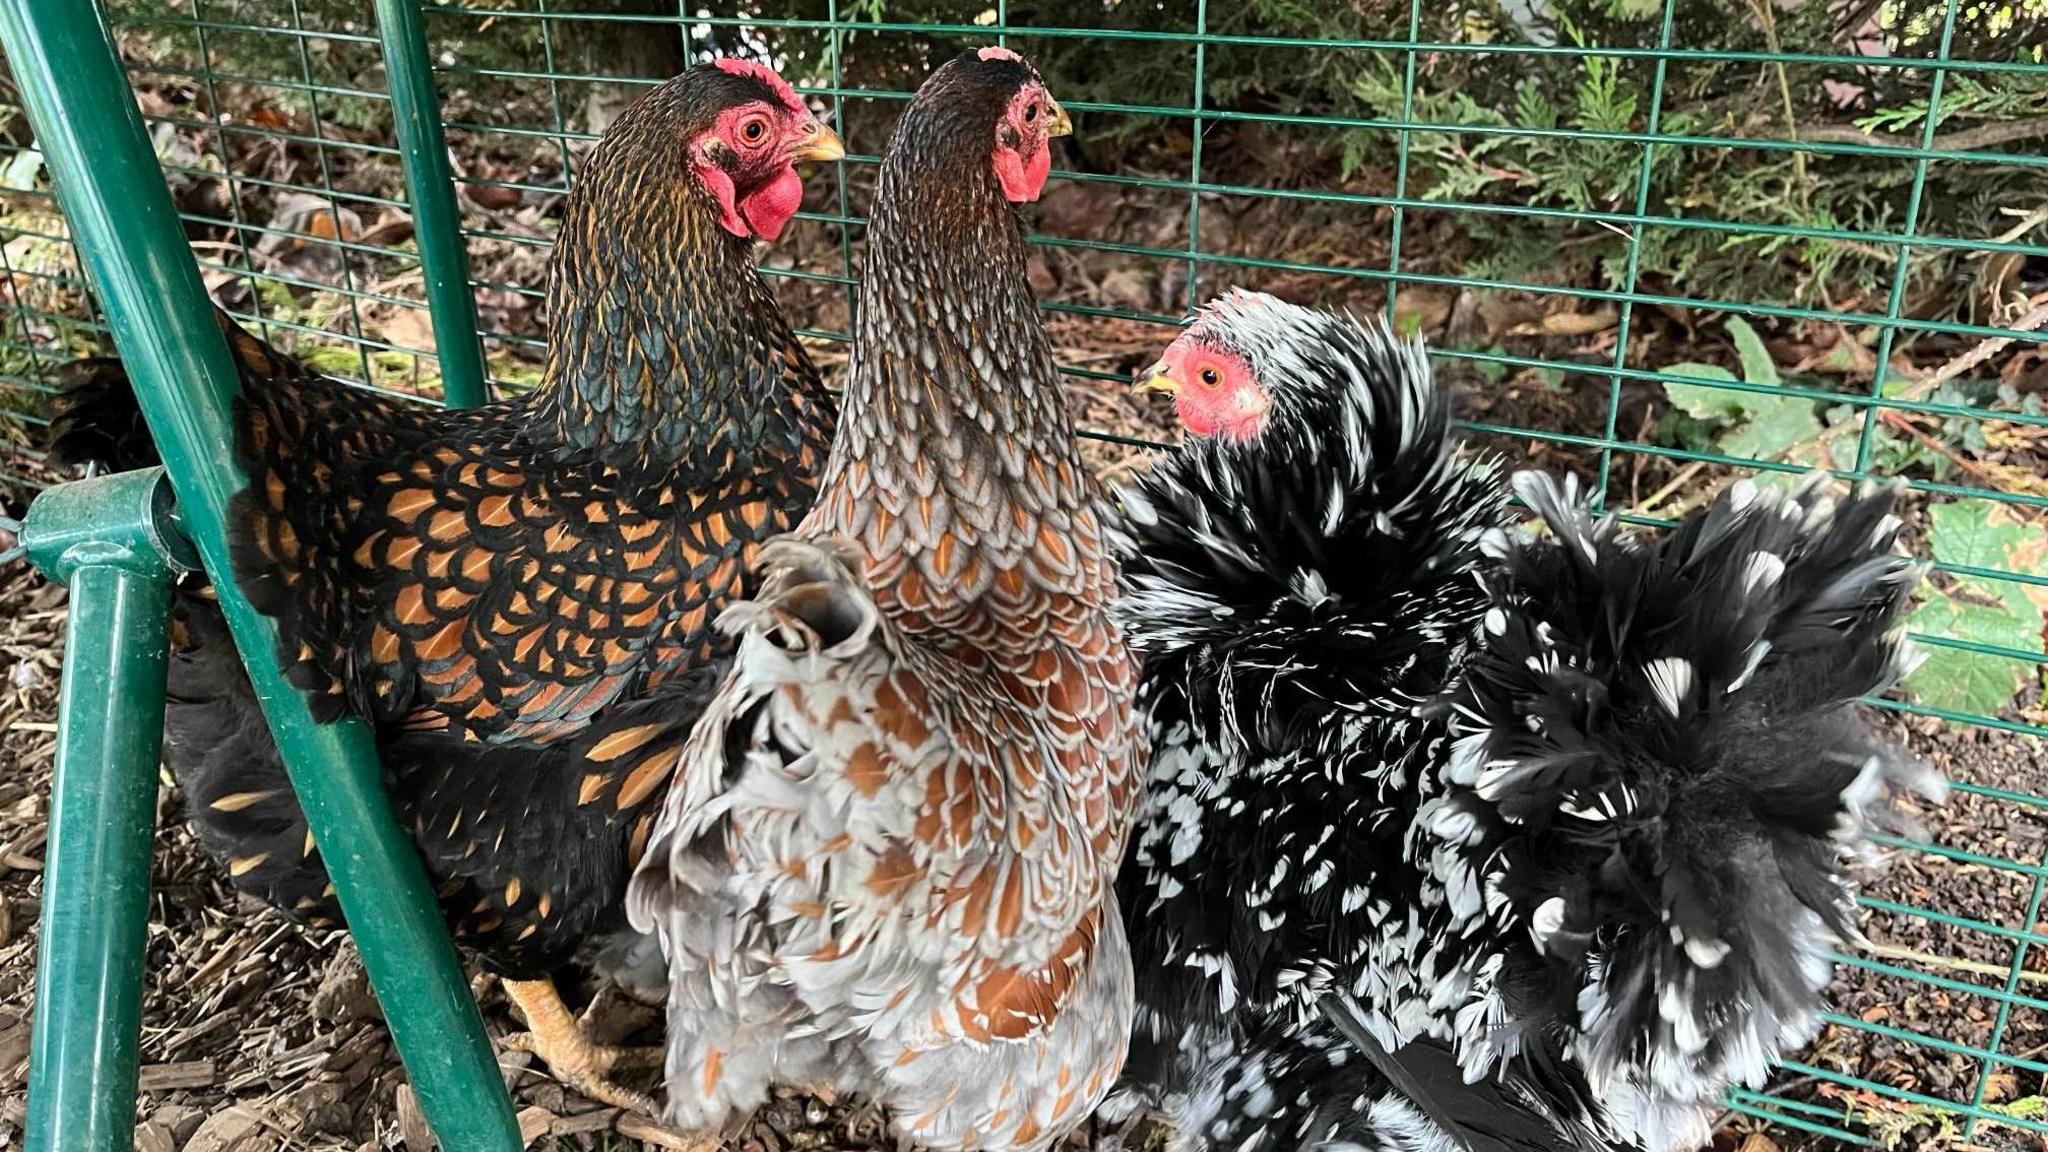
[752, 131]
[1031, 114]
[1209, 377]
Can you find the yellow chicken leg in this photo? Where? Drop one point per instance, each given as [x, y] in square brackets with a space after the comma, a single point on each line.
[556, 1038]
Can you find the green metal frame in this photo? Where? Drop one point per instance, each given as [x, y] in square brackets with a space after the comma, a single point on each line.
[184, 377]
[446, 227]
[112, 542]
[416, 111]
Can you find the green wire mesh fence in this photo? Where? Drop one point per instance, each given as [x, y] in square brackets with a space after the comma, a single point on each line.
[1660, 243]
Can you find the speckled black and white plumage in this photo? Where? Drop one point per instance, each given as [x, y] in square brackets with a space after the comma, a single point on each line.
[1376, 858]
[1297, 600]
[1656, 780]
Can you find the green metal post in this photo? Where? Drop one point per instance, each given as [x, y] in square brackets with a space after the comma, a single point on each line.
[430, 183]
[128, 233]
[99, 536]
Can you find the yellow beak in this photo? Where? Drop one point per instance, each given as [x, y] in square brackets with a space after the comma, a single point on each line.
[1159, 383]
[1061, 123]
[821, 146]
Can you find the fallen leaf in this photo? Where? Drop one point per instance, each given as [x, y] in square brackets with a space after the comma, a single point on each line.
[1578, 323]
[411, 329]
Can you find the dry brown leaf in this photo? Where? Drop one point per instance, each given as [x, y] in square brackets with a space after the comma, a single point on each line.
[1422, 309]
[408, 328]
[1578, 323]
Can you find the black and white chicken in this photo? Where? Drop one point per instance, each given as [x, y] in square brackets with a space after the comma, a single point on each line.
[1462, 838]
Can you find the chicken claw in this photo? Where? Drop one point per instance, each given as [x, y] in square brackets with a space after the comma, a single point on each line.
[556, 1039]
[649, 1132]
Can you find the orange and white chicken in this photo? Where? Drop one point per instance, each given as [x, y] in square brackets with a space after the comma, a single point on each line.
[887, 865]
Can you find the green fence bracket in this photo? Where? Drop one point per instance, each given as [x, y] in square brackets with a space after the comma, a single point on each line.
[113, 540]
[430, 184]
[128, 520]
[128, 234]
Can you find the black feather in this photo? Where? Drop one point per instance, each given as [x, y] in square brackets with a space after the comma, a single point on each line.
[1498, 1113]
[1560, 822]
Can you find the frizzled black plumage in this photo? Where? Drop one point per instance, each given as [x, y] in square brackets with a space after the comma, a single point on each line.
[1296, 600]
[1656, 777]
[1469, 796]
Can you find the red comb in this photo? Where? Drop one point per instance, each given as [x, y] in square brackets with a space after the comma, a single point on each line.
[996, 52]
[765, 75]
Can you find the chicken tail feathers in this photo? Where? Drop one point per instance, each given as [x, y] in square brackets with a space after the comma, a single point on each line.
[98, 423]
[1657, 780]
[813, 608]
[1511, 1110]
[237, 794]
[812, 598]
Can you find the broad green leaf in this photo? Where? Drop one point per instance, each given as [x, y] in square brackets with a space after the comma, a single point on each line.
[1701, 401]
[1979, 534]
[1777, 428]
[1975, 682]
[1757, 367]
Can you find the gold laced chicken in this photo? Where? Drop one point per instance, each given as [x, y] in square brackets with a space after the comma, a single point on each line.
[519, 596]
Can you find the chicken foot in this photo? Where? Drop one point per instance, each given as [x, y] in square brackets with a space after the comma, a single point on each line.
[557, 1038]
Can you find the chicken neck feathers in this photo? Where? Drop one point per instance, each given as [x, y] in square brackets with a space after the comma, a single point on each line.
[476, 570]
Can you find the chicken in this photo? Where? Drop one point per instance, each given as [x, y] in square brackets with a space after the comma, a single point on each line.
[1457, 839]
[520, 596]
[887, 864]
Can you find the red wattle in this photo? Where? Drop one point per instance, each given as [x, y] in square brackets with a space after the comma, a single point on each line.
[1022, 179]
[769, 207]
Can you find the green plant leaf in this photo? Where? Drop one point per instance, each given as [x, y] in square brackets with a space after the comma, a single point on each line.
[1701, 401]
[1974, 682]
[1978, 534]
[1776, 426]
[1757, 366]
[1759, 426]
